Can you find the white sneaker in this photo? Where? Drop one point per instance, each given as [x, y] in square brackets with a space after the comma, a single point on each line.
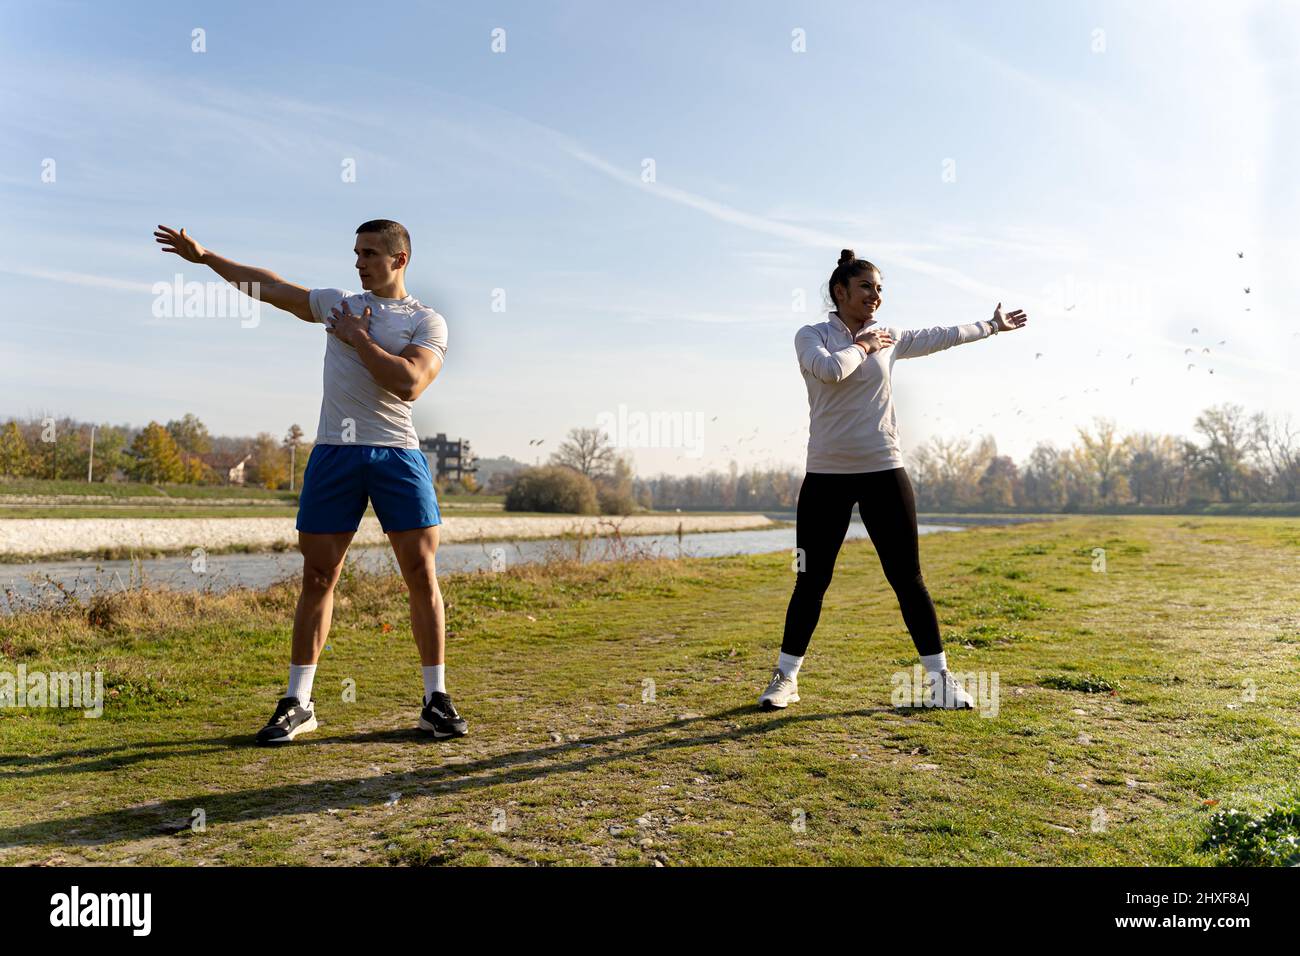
[947, 693]
[781, 692]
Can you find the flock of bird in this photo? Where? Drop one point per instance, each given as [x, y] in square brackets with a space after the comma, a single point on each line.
[1133, 380]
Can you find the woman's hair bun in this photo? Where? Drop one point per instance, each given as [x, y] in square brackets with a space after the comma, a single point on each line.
[846, 256]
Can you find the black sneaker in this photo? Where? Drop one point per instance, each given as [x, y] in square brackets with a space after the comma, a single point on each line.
[290, 719]
[439, 717]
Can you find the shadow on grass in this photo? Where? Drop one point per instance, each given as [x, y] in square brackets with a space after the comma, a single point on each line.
[161, 818]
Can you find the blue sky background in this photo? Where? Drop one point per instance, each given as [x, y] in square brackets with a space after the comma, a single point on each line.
[1121, 182]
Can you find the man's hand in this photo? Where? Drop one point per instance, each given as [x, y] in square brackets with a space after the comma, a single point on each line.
[179, 243]
[1005, 323]
[874, 339]
[352, 329]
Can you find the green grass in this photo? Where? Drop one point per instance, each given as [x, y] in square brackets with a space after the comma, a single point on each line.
[571, 760]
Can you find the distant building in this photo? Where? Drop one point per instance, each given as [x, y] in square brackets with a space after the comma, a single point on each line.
[235, 473]
[451, 460]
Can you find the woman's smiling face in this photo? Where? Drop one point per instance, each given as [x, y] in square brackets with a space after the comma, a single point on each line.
[861, 297]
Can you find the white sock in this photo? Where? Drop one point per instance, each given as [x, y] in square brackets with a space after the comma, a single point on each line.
[788, 664]
[301, 677]
[933, 663]
[435, 680]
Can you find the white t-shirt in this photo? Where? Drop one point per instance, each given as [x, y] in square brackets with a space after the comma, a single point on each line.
[354, 408]
[852, 427]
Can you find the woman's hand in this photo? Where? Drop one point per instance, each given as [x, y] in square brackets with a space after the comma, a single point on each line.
[1005, 323]
[874, 339]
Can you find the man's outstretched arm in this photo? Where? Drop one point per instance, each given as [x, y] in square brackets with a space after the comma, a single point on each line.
[261, 284]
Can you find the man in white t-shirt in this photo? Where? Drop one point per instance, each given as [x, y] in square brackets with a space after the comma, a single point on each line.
[382, 351]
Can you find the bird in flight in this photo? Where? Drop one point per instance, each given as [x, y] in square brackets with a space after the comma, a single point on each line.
[1241, 255]
[1247, 290]
[1132, 380]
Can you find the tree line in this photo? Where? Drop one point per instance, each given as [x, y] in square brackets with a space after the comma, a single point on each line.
[182, 451]
[1234, 457]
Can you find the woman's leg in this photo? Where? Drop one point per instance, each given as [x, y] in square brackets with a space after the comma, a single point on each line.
[822, 519]
[888, 508]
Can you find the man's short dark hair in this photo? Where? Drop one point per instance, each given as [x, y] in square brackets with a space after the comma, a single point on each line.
[394, 235]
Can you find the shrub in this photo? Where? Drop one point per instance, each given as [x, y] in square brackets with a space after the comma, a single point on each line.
[552, 488]
[616, 501]
[1271, 838]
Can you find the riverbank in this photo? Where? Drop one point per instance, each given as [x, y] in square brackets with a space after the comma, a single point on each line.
[24, 540]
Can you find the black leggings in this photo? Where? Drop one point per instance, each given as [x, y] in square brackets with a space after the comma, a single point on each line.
[888, 509]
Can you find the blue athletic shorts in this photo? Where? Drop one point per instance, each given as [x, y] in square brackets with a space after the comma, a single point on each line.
[340, 478]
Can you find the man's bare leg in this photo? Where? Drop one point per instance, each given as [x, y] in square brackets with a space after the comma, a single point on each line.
[322, 563]
[415, 551]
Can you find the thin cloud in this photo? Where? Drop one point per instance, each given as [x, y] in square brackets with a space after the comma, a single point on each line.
[800, 235]
[82, 279]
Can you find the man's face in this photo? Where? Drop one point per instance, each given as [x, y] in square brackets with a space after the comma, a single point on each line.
[376, 266]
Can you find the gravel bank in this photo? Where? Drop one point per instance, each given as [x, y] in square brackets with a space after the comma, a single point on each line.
[91, 536]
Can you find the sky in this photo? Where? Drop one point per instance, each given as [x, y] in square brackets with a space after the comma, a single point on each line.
[625, 211]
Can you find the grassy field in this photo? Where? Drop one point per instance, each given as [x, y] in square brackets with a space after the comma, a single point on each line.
[1134, 704]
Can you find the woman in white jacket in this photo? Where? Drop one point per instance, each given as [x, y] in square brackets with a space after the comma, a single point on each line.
[854, 458]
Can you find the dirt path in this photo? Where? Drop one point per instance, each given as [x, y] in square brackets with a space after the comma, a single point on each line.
[41, 536]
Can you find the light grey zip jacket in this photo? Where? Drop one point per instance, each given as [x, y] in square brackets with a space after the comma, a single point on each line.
[851, 422]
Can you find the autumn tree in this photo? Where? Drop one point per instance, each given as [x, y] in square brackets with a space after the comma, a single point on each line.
[190, 434]
[1277, 446]
[1105, 454]
[270, 464]
[15, 457]
[998, 484]
[1228, 441]
[1043, 479]
[157, 458]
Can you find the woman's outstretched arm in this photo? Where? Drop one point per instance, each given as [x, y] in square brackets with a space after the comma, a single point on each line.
[913, 343]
